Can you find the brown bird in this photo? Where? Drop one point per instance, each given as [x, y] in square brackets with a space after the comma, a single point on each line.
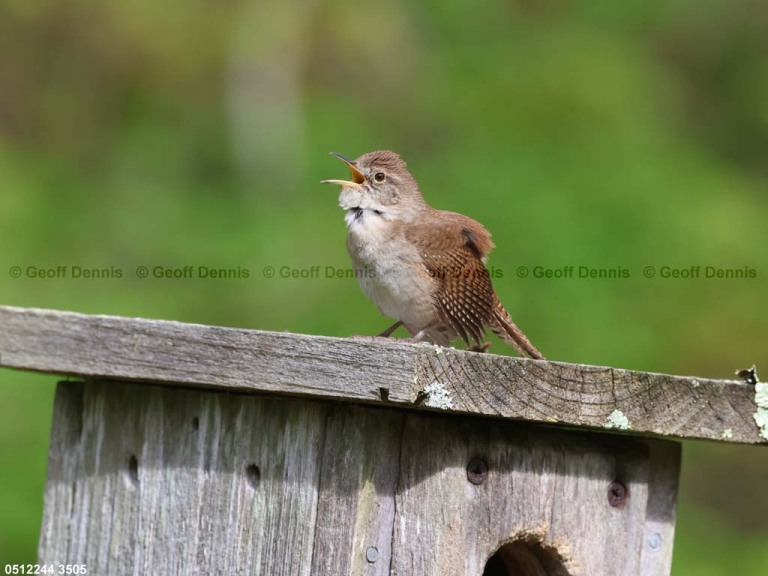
[421, 266]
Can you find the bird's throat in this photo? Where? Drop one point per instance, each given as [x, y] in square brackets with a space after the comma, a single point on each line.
[358, 216]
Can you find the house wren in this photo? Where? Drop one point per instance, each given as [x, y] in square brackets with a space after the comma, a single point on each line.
[421, 266]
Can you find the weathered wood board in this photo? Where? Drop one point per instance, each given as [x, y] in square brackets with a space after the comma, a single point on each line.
[177, 354]
[159, 480]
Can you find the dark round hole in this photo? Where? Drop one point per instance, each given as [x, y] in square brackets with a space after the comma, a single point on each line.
[132, 473]
[253, 475]
[525, 557]
[495, 567]
[195, 423]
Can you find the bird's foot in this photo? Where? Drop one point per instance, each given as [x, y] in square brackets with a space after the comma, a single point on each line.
[479, 347]
[386, 339]
[372, 339]
[411, 340]
[417, 338]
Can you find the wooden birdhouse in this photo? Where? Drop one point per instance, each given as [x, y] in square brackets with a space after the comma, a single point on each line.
[188, 449]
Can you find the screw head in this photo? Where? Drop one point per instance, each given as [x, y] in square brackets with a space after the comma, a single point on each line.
[617, 494]
[477, 470]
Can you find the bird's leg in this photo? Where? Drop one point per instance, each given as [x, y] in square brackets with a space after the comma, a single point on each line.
[373, 339]
[420, 335]
[388, 332]
[479, 347]
[415, 339]
[383, 336]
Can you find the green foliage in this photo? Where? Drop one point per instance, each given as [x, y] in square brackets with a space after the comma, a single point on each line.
[584, 134]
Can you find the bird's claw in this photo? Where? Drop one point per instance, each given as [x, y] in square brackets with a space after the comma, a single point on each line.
[479, 347]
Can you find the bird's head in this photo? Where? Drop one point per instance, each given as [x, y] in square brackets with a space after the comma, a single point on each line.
[380, 182]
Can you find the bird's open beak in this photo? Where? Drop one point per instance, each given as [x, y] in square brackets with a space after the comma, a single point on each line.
[358, 179]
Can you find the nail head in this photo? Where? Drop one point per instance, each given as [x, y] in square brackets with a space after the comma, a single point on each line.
[372, 554]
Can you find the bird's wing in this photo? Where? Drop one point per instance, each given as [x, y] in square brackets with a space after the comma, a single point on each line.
[453, 248]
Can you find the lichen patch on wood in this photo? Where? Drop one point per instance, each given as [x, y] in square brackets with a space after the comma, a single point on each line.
[761, 415]
[438, 396]
[617, 419]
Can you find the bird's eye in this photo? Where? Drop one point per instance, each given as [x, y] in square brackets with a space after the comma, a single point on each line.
[379, 177]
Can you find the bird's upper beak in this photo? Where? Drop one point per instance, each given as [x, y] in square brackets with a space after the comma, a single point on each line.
[358, 178]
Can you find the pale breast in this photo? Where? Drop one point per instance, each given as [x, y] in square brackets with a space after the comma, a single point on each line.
[389, 270]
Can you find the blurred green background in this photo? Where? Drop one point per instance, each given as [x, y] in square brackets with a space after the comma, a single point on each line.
[602, 134]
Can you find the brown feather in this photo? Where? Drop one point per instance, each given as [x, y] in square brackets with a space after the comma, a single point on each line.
[452, 248]
[504, 328]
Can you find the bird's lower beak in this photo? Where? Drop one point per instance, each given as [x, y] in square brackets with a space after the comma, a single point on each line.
[358, 178]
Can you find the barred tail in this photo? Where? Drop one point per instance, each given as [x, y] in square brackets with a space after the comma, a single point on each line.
[504, 328]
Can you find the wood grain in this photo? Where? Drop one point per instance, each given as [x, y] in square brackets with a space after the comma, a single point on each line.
[146, 480]
[359, 479]
[547, 489]
[176, 354]
[155, 480]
